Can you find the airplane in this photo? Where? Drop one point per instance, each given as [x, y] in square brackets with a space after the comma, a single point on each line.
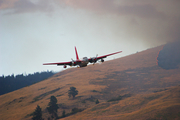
[82, 62]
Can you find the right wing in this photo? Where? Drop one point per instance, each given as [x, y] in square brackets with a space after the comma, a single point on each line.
[95, 59]
[104, 56]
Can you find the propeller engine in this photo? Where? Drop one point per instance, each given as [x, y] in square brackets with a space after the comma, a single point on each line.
[94, 59]
[73, 62]
[102, 60]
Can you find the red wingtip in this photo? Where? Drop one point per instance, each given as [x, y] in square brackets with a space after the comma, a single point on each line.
[77, 57]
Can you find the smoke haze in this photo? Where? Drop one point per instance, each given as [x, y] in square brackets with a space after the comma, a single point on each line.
[151, 22]
[169, 56]
[44, 28]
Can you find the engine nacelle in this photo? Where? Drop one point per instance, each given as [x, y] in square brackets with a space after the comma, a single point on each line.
[64, 66]
[102, 60]
[93, 60]
[73, 63]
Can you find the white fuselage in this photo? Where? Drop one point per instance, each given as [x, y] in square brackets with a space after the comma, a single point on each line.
[84, 62]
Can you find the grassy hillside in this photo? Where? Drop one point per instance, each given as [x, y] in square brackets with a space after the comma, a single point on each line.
[162, 105]
[136, 77]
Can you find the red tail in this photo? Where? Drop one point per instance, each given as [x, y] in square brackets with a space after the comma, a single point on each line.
[77, 58]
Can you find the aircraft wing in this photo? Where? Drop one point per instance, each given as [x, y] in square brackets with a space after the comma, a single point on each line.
[104, 56]
[59, 63]
[95, 59]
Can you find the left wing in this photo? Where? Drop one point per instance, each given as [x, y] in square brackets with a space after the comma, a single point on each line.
[60, 63]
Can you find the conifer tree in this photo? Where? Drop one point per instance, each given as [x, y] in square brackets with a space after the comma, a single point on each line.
[52, 107]
[37, 115]
[97, 101]
[63, 113]
[72, 92]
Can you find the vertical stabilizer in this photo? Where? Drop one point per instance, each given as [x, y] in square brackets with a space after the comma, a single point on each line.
[77, 57]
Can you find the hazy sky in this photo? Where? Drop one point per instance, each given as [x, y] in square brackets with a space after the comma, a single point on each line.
[33, 32]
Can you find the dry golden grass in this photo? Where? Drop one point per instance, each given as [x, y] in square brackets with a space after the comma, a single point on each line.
[159, 105]
[136, 74]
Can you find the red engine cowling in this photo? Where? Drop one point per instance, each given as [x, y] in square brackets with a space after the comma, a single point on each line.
[65, 66]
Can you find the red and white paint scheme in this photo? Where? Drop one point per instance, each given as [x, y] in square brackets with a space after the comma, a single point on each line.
[83, 62]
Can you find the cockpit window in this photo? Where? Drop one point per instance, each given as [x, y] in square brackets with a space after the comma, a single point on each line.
[85, 58]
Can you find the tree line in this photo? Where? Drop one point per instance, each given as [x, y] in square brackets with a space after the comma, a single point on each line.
[13, 82]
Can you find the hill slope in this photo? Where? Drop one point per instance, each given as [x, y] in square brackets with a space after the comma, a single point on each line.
[163, 105]
[135, 75]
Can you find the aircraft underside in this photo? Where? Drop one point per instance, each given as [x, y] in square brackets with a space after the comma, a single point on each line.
[82, 62]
